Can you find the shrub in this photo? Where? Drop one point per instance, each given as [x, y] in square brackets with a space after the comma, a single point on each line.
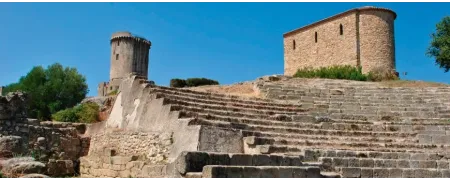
[382, 74]
[177, 83]
[84, 113]
[333, 72]
[194, 82]
[113, 92]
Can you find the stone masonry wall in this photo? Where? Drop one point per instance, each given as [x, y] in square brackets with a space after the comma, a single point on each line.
[127, 154]
[331, 47]
[58, 145]
[367, 40]
[377, 40]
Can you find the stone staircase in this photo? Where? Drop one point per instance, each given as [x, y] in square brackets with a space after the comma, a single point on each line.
[324, 131]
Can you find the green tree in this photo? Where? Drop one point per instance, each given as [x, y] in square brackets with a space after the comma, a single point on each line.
[51, 90]
[440, 44]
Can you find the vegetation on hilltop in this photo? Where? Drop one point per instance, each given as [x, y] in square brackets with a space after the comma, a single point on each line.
[440, 44]
[50, 90]
[192, 82]
[346, 72]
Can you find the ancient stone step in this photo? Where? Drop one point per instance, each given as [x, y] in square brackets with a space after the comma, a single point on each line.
[324, 137]
[281, 129]
[227, 103]
[314, 122]
[219, 97]
[288, 149]
[193, 175]
[194, 161]
[338, 144]
[218, 171]
[229, 108]
[351, 172]
[190, 111]
[314, 154]
[336, 163]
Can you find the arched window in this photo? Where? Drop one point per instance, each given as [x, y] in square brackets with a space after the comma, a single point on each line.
[293, 44]
[341, 29]
[315, 36]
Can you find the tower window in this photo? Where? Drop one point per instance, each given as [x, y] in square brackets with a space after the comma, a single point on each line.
[341, 29]
[118, 42]
[117, 56]
[293, 44]
[315, 36]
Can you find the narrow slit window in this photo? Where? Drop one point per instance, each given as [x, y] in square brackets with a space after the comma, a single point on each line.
[117, 56]
[118, 43]
[293, 44]
[315, 36]
[341, 29]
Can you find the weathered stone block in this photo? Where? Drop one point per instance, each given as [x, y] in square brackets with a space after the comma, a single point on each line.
[262, 160]
[299, 173]
[442, 164]
[250, 172]
[427, 164]
[426, 173]
[351, 172]
[213, 172]
[340, 162]
[234, 172]
[395, 173]
[408, 173]
[153, 171]
[366, 173]
[241, 159]
[366, 162]
[419, 156]
[380, 173]
[353, 162]
[403, 164]
[445, 173]
[285, 172]
[269, 172]
[218, 159]
[125, 174]
[313, 172]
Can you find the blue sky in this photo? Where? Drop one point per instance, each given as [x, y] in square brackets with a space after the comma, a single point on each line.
[229, 42]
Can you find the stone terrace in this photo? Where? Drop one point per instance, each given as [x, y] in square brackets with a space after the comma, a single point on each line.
[333, 128]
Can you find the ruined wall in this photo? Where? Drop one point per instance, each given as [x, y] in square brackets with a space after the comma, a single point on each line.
[127, 154]
[58, 145]
[331, 48]
[153, 147]
[366, 39]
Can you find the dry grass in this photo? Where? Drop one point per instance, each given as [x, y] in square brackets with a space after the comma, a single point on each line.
[405, 83]
[241, 89]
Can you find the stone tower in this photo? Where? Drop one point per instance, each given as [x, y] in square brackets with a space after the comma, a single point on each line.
[359, 37]
[129, 54]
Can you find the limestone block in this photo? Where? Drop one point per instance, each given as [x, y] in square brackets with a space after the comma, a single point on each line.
[441, 139]
[419, 156]
[366, 162]
[218, 159]
[299, 173]
[366, 173]
[340, 162]
[125, 174]
[380, 173]
[241, 159]
[403, 155]
[191, 162]
[403, 164]
[234, 172]
[427, 164]
[426, 173]
[313, 172]
[395, 173]
[327, 164]
[268, 172]
[285, 172]
[213, 172]
[442, 164]
[408, 173]
[353, 162]
[154, 171]
[250, 172]
[350, 172]
[445, 173]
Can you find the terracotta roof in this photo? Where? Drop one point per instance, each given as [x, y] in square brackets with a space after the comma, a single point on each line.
[337, 16]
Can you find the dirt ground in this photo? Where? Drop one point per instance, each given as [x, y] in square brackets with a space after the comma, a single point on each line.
[240, 89]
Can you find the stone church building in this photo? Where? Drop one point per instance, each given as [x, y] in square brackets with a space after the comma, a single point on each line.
[358, 37]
